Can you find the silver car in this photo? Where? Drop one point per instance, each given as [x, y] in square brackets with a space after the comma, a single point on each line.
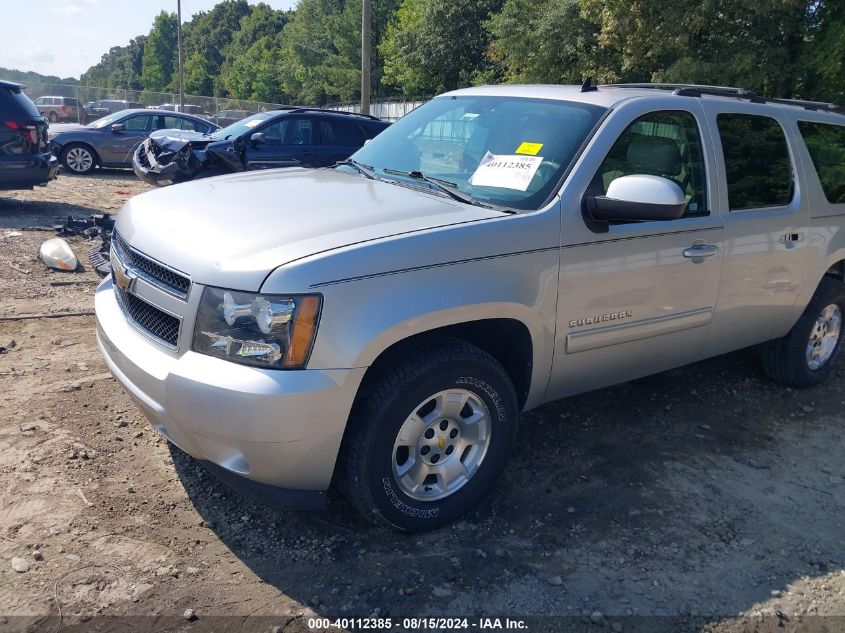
[112, 140]
[383, 323]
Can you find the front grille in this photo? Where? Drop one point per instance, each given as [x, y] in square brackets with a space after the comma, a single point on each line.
[158, 324]
[170, 280]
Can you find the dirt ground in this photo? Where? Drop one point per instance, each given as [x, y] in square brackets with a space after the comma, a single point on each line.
[703, 499]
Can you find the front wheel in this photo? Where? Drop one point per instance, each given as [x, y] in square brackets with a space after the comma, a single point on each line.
[53, 117]
[79, 158]
[807, 355]
[431, 438]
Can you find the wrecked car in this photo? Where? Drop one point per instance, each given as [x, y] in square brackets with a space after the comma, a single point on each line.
[290, 137]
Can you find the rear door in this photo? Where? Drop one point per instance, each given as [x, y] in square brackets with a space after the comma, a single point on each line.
[337, 140]
[288, 142]
[766, 225]
[117, 147]
[637, 298]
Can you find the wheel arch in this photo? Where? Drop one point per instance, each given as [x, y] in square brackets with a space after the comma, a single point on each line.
[66, 146]
[507, 340]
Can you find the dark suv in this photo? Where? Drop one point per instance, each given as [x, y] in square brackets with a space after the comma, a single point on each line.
[288, 137]
[25, 158]
[97, 109]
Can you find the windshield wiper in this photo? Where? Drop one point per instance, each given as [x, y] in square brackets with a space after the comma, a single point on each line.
[449, 188]
[361, 168]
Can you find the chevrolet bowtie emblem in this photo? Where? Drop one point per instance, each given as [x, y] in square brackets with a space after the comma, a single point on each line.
[441, 443]
[124, 278]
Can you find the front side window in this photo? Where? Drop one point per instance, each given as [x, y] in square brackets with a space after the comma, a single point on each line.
[666, 144]
[506, 151]
[826, 144]
[758, 169]
[137, 123]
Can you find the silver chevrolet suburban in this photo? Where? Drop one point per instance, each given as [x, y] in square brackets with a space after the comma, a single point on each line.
[382, 323]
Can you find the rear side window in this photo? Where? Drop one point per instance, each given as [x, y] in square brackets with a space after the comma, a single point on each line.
[757, 165]
[826, 144]
[333, 132]
[14, 102]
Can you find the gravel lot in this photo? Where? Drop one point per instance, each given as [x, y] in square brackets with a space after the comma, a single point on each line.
[702, 499]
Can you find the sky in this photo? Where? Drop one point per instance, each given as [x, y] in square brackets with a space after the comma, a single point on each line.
[66, 37]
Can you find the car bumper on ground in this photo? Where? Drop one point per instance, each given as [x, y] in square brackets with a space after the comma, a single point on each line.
[26, 172]
[274, 434]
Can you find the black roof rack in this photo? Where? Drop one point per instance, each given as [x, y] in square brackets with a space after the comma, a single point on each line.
[313, 109]
[692, 90]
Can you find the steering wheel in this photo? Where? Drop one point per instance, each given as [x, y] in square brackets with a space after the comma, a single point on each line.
[545, 172]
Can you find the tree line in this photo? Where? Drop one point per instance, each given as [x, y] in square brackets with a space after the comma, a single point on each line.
[312, 53]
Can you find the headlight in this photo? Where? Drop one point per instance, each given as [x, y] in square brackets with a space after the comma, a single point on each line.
[270, 331]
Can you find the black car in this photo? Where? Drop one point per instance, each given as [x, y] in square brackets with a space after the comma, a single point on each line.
[290, 137]
[94, 110]
[25, 158]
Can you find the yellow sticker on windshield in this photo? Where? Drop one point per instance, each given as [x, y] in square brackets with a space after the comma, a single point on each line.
[532, 149]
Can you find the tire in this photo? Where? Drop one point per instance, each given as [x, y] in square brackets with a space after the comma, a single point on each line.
[53, 117]
[74, 158]
[808, 354]
[476, 439]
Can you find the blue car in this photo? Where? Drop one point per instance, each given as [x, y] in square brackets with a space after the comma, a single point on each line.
[111, 141]
[25, 158]
[289, 137]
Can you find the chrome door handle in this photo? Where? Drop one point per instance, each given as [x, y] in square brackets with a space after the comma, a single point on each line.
[697, 251]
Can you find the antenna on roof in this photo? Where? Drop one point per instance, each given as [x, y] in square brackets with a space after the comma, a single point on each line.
[588, 86]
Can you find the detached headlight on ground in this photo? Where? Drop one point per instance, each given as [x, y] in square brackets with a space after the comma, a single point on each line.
[270, 331]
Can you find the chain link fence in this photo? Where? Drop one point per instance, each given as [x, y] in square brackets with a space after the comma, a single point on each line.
[95, 102]
[391, 109]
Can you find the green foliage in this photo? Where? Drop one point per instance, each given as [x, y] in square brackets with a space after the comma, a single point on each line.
[120, 68]
[208, 35]
[29, 77]
[438, 45]
[159, 57]
[312, 54]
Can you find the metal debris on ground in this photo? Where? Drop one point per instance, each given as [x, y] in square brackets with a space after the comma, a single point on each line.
[93, 227]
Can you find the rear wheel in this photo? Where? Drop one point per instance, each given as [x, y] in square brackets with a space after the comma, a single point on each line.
[79, 158]
[432, 437]
[807, 355]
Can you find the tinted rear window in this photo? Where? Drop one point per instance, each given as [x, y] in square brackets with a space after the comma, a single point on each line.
[826, 144]
[757, 164]
[14, 102]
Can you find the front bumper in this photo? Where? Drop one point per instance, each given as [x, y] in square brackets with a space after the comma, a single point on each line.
[279, 429]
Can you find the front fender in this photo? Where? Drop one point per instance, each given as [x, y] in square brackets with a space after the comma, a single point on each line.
[363, 318]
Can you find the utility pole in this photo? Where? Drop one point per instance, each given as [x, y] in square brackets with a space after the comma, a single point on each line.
[366, 53]
[181, 71]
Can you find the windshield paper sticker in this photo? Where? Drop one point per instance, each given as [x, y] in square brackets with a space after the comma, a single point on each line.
[532, 149]
[506, 172]
[252, 123]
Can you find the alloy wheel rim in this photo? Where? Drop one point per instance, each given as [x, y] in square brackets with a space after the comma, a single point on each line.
[79, 159]
[824, 337]
[441, 445]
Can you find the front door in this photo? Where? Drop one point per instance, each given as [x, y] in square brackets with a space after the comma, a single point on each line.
[638, 298]
[117, 147]
[288, 142]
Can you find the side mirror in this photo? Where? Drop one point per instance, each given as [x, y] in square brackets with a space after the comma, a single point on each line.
[118, 127]
[258, 138]
[638, 198]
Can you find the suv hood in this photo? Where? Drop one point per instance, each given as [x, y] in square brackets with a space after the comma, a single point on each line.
[232, 231]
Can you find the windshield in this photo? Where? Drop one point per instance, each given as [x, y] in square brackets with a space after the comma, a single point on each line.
[240, 127]
[106, 120]
[504, 151]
